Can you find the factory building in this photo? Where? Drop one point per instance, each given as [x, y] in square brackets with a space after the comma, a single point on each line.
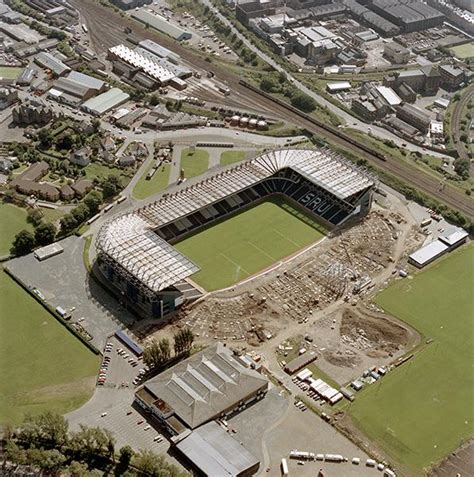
[103, 103]
[211, 451]
[409, 15]
[50, 62]
[162, 25]
[451, 77]
[396, 54]
[129, 4]
[210, 384]
[414, 116]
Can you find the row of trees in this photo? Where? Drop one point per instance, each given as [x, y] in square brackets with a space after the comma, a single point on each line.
[44, 442]
[297, 98]
[158, 353]
[88, 208]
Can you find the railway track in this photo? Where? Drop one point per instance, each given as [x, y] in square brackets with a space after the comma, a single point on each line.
[106, 27]
[456, 122]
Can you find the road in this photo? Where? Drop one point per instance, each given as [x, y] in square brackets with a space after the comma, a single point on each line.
[456, 122]
[348, 118]
[110, 27]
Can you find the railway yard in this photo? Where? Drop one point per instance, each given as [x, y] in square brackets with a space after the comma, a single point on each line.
[259, 275]
[96, 16]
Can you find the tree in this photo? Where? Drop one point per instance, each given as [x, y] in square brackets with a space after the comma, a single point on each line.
[95, 123]
[91, 443]
[152, 465]
[77, 469]
[45, 138]
[48, 430]
[68, 223]
[268, 85]
[111, 186]
[165, 349]
[35, 217]
[14, 453]
[125, 456]
[154, 100]
[93, 200]
[303, 102]
[183, 341]
[45, 234]
[80, 213]
[23, 243]
[48, 460]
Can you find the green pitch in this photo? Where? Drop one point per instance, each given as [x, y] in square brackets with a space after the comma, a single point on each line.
[423, 410]
[10, 72]
[43, 366]
[463, 51]
[249, 242]
[12, 221]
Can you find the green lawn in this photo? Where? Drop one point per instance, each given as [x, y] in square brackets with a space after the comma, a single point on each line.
[12, 220]
[248, 242]
[10, 72]
[230, 157]
[144, 188]
[195, 163]
[463, 51]
[422, 411]
[100, 171]
[43, 366]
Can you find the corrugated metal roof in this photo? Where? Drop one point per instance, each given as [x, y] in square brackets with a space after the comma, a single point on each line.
[216, 453]
[162, 24]
[106, 101]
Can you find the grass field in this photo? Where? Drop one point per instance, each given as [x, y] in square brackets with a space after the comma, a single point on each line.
[43, 365]
[10, 72]
[422, 411]
[248, 242]
[12, 220]
[144, 188]
[231, 157]
[463, 51]
[195, 163]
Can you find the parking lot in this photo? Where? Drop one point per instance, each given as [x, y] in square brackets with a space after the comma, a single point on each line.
[73, 290]
[274, 426]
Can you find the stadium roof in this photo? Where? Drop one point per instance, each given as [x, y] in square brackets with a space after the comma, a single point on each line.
[105, 101]
[216, 453]
[130, 239]
[206, 384]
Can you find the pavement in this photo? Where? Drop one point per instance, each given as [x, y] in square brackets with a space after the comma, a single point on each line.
[345, 116]
[94, 308]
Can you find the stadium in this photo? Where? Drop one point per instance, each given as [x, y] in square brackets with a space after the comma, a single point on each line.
[139, 253]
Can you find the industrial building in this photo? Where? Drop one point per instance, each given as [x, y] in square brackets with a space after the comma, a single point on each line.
[129, 4]
[145, 68]
[414, 116]
[162, 25]
[409, 15]
[105, 102]
[50, 62]
[396, 54]
[211, 384]
[447, 242]
[451, 77]
[143, 268]
[212, 451]
[76, 88]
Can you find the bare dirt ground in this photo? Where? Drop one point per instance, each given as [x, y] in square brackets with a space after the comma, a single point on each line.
[460, 462]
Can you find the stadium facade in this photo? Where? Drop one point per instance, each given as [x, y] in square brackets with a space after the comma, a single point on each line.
[135, 252]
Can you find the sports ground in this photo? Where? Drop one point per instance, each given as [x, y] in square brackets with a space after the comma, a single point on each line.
[248, 242]
[43, 366]
[423, 410]
[12, 221]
